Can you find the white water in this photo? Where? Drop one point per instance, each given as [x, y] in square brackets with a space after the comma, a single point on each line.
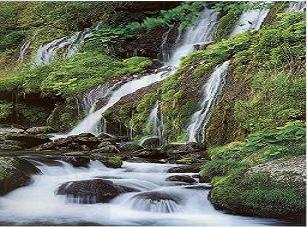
[38, 204]
[200, 33]
[68, 45]
[298, 6]
[250, 20]
[155, 122]
[90, 122]
[211, 89]
[24, 48]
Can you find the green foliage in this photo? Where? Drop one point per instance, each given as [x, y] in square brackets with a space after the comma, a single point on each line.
[255, 194]
[218, 167]
[185, 13]
[31, 115]
[5, 110]
[276, 143]
[230, 151]
[275, 100]
[75, 75]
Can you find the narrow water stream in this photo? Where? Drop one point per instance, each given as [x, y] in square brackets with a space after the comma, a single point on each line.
[179, 204]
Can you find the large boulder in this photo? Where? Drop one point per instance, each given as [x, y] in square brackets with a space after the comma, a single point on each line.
[84, 141]
[184, 169]
[28, 140]
[275, 189]
[130, 146]
[15, 173]
[182, 178]
[92, 191]
[111, 161]
[156, 154]
[77, 161]
[151, 142]
[40, 130]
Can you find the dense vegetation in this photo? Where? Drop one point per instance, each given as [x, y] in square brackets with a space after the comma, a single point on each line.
[257, 122]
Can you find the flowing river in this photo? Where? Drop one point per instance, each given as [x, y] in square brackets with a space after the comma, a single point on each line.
[172, 203]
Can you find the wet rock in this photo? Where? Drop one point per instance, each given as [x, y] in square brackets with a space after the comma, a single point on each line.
[185, 148]
[40, 130]
[15, 173]
[84, 141]
[10, 145]
[87, 139]
[130, 146]
[92, 191]
[150, 142]
[184, 169]
[106, 149]
[28, 140]
[104, 135]
[199, 187]
[182, 178]
[77, 161]
[108, 161]
[152, 154]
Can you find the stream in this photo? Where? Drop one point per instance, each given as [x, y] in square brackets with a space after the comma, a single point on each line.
[37, 203]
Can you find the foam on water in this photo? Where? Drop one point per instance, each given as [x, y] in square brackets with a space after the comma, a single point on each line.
[38, 204]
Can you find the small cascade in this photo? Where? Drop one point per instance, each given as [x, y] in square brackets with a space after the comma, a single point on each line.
[68, 46]
[90, 98]
[299, 6]
[211, 90]
[164, 51]
[89, 123]
[250, 20]
[156, 201]
[199, 34]
[24, 48]
[155, 122]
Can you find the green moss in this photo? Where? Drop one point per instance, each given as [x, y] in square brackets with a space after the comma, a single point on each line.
[255, 194]
[74, 76]
[217, 168]
[31, 115]
[6, 110]
[226, 24]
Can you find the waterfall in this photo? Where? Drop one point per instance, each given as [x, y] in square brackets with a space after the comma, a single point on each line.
[165, 52]
[250, 20]
[199, 34]
[90, 122]
[211, 90]
[155, 122]
[67, 45]
[299, 6]
[24, 48]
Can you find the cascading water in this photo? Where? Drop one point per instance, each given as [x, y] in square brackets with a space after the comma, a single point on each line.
[201, 32]
[211, 90]
[198, 34]
[296, 7]
[89, 123]
[69, 44]
[165, 53]
[157, 202]
[24, 48]
[250, 20]
[155, 122]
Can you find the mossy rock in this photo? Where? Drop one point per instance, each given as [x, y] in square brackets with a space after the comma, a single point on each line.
[15, 173]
